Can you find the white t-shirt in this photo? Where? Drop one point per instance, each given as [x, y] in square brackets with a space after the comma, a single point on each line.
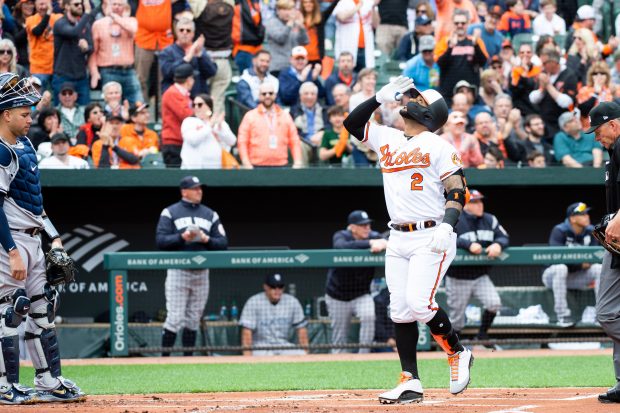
[73, 162]
[542, 26]
[413, 170]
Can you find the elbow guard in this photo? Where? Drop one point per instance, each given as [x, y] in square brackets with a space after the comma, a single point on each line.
[459, 195]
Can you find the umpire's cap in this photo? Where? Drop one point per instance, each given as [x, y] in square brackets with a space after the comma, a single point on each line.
[190, 182]
[275, 280]
[602, 114]
[359, 217]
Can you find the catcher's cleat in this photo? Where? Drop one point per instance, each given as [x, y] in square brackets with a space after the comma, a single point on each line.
[409, 390]
[14, 393]
[460, 364]
[66, 392]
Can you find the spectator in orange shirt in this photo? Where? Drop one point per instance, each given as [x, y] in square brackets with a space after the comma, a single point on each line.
[267, 133]
[445, 11]
[136, 137]
[154, 34]
[113, 51]
[248, 32]
[89, 131]
[107, 152]
[514, 21]
[41, 41]
[176, 105]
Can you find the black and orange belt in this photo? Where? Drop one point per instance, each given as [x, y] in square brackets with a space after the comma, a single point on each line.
[413, 226]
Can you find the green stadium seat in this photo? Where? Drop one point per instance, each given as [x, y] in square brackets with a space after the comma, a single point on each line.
[153, 161]
[520, 38]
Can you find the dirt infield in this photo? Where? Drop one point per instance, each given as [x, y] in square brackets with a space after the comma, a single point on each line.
[574, 400]
[548, 400]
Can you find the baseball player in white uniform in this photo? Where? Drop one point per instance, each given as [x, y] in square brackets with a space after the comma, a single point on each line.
[425, 191]
[26, 291]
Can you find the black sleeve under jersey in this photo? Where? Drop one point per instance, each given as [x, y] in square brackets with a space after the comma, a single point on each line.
[357, 119]
[6, 240]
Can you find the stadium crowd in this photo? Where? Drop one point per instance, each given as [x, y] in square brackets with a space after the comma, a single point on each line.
[521, 77]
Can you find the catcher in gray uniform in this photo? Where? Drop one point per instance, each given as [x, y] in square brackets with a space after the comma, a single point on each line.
[27, 281]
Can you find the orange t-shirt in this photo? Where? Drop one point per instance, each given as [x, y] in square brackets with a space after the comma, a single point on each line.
[445, 9]
[313, 45]
[361, 42]
[236, 29]
[41, 47]
[154, 24]
[131, 142]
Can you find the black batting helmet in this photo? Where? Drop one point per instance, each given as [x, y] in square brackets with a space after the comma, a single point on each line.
[428, 108]
[16, 93]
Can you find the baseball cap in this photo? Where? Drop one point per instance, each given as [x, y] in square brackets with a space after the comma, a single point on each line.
[496, 10]
[422, 20]
[275, 280]
[359, 217]
[35, 81]
[426, 43]
[299, 51]
[67, 86]
[475, 195]
[189, 182]
[60, 136]
[463, 83]
[496, 59]
[507, 43]
[136, 108]
[602, 114]
[183, 71]
[577, 208]
[585, 12]
[457, 117]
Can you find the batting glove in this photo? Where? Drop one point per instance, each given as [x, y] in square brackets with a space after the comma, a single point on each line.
[441, 238]
[393, 91]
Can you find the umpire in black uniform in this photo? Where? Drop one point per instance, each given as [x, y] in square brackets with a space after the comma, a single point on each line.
[605, 122]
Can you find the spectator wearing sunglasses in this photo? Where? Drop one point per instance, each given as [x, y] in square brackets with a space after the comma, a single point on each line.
[268, 318]
[71, 114]
[267, 133]
[8, 60]
[598, 89]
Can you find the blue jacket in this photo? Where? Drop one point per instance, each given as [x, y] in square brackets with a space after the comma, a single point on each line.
[175, 219]
[172, 57]
[484, 230]
[346, 284]
[562, 235]
[332, 81]
[288, 94]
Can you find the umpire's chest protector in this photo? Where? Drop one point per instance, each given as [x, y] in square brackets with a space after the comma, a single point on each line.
[25, 188]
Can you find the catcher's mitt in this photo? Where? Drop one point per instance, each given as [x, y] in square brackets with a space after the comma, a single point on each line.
[599, 234]
[60, 268]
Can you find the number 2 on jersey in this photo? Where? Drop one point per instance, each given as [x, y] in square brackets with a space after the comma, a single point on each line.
[416, 182]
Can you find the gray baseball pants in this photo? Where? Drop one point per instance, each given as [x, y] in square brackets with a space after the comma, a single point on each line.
[608, 307]
[340, 313]
[459, 292]
[186, 296]
[559, 280]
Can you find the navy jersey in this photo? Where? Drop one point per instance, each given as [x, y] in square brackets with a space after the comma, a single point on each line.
[562, 235]
[346, 284]
[175, 219]
[484, 230]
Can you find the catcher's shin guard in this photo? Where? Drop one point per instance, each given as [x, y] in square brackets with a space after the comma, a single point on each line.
[9, 362]
[40, 334]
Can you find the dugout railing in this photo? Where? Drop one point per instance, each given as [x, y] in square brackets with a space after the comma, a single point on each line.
[120, 265]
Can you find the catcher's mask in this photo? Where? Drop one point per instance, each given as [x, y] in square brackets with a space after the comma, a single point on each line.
[599, 233]
[428, 108]
[16, 93]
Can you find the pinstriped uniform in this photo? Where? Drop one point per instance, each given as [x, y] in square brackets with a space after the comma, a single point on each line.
[187, 292]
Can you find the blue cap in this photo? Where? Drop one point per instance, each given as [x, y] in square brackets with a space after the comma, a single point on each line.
[274, 280]
[577, 208]
[359, 218]
[190, 182]
[422, 20]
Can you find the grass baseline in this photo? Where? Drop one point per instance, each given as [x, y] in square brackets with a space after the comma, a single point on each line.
[535, 372]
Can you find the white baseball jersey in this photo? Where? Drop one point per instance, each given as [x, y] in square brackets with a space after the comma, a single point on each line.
[413, 170]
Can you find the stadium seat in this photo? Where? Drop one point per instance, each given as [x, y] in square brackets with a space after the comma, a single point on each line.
[153, 161]
[523, 38]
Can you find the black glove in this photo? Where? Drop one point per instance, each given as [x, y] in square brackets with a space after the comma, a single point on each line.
[599, 234]
[60, 268]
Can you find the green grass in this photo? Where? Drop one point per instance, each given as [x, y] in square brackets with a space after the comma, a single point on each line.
[581, 371]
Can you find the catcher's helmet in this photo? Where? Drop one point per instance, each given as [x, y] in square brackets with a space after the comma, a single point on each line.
[428, 108]
[16, 93]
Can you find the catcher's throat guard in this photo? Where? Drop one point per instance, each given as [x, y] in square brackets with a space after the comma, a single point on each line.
[59, 268]
[599, 234]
